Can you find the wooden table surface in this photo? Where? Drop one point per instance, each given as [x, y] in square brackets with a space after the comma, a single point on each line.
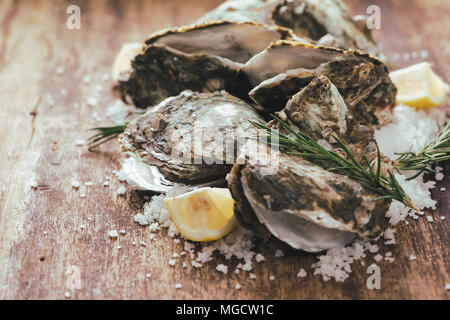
[38, 142]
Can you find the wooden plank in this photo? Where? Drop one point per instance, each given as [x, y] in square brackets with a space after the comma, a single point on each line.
[39, 143]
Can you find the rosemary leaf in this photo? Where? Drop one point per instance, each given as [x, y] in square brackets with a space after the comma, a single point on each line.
[303, 145]
[104, 134]
[436, 151]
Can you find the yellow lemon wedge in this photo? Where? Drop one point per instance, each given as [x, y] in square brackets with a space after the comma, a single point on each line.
[205, 214]
[122, 63]
[419, 87]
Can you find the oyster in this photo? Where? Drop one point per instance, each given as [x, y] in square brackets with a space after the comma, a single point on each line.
[203, 58]
[287, 66]
[326, 21]
[191, 137]
[301, 203]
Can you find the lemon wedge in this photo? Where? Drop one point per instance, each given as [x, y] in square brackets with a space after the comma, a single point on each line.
[205, 214]
[122, 63]
[418, 86]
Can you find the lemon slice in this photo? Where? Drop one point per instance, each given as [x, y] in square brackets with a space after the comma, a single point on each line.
[205, 214]
[419, 87]
[123, 59]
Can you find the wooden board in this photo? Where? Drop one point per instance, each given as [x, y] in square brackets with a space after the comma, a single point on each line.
[38, 142]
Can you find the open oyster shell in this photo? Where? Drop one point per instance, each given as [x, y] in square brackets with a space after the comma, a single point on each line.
[300, 203]
[203, 58]
[326, 21]
[287, 66]
[192, 137]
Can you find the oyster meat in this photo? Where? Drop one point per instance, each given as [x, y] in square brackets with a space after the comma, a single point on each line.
[285, 67]
[326, 21]
[203, 58]
[301, 203]
[192, 137]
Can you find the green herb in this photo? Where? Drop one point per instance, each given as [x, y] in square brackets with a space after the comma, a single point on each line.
[436, 151]
[369, 177]
[104, 134]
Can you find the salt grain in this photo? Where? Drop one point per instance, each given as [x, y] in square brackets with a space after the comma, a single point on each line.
[143, 244]
[67, 294]
[252, 276]
[33, 184]
[222, 268]
[389, 236]
[75, 184]
[105, 77]
[92, 102]
[412, 257]
[271, 278]
[178, 286]
[259, 257]
[378, 257]
[442, 217]
[429, 219]
[279, 253]
[106, 183]
[123, 231]
[302, 273]
[113, 234]
[60, 70]
[424, 54]
[172, 262]
[121, 191]
[442, 189]
[237, 286]
[86, 79]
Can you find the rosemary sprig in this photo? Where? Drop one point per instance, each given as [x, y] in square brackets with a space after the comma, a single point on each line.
[369, 177]
[437, 150]
[104, 134]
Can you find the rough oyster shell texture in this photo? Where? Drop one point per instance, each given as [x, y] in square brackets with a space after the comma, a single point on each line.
[302, 204]
[326, 21]
[203, 58]
[282, 69]
[191, 137]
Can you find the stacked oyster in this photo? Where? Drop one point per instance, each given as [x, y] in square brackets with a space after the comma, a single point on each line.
[309, 62]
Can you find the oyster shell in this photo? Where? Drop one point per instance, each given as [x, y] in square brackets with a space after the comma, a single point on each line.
[287, 66]
[326, 21]
[303, 204]
[203, 58]
[191, 137]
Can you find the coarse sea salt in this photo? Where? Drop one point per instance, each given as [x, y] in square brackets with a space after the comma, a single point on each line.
[279, 253]
[121, 191]
[222, 268]
[113, 234]
[302, 273]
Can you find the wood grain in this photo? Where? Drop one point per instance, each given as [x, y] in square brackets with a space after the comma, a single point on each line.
[38, 142]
